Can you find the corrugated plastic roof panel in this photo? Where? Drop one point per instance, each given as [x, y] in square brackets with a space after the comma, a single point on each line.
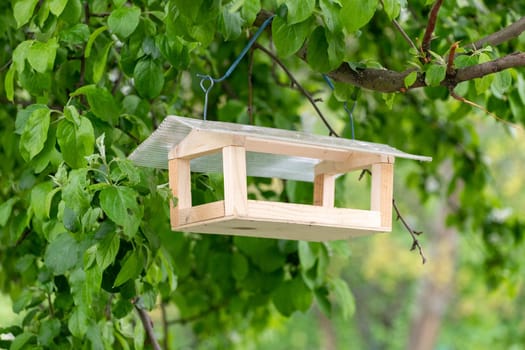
[153, 152]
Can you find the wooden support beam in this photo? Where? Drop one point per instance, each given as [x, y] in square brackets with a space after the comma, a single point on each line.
[199, 143]
[382, 191]
[235, 187]
[324, 190]
[354, 161]
[180, 185]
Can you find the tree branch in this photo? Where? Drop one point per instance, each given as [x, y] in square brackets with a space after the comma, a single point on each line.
[147, 323]
[413, 233]
[401, 31]
[502, 35]
[299, 86]
[427, 38]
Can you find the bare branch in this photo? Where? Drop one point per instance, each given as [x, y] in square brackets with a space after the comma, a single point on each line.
[502, 35]
[451, 55]
[402, 31]
[299, 86]
[147, 323]
[427, 38]
[413, 233]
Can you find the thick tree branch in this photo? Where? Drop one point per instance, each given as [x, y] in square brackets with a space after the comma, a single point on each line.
[502, 35]
[386, 80]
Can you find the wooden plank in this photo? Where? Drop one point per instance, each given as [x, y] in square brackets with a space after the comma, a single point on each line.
[313, 215]
[277, 230]
[180, 185]
[324, 190]
[235, 187]
[199, 143]
[200, 213]
[354, 161]
[291, 148]
[382, 191]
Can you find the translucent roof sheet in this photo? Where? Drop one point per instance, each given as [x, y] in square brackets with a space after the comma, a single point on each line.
[153, 152]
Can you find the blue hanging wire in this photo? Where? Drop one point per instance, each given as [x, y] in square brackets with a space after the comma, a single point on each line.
[205, 77]
[349, 111]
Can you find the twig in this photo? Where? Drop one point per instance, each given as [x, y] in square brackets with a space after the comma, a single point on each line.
[206, 312]
[250, 86]
[451, 55]
[473, 104]
[298, 86]
[413, 233]
[431, 25]
[147, 323]
[402, 31]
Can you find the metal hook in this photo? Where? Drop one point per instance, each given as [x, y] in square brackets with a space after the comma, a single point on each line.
[206, 91]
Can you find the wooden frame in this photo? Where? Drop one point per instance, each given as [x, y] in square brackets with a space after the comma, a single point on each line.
[237, 215]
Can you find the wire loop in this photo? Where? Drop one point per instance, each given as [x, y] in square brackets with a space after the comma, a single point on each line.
[349, 111]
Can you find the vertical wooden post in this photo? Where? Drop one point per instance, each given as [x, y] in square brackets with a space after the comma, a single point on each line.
[324, 190]
[180, 185]
[235, 187]
[382, 191]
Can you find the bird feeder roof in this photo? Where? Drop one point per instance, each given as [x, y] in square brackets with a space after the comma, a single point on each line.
[154, 151]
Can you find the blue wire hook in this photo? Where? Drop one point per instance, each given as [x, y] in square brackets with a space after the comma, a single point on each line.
[230, 70]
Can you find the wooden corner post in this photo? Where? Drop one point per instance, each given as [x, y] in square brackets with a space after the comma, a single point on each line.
[180, 184]
[382, 192]
[235, 186]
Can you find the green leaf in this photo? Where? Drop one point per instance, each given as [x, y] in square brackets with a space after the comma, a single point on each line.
[501, 83]
[299, 10]
[91, 40]
[343, 297]
[124, 20]
[48, 330]
[288, 38]
[62, 253]
[76, 141]
[149, 79]
[9, 83]
[74, 36]
[38, 199]
[20, 55]
[317, 56]
[131, 267]
[74, 192]
[99, 63]
[23, 11]
[34, 133]
[102, 103]
[307, 255]
[230, 23]
[435, 74]
[331, 15]
[410, 79]
[292, 295]
[239, 266]
[41, 56]
[120, 205]
[107, 250]
[357, 13]
[78, 322]
[336, 48]
[57, 6]
[250, 9]
[392, 8]
[6, 209]
[21, 341]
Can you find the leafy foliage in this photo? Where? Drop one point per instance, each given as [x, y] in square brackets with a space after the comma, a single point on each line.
[85, 234]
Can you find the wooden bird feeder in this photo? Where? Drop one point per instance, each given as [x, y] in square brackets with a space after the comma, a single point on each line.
[184, 145]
